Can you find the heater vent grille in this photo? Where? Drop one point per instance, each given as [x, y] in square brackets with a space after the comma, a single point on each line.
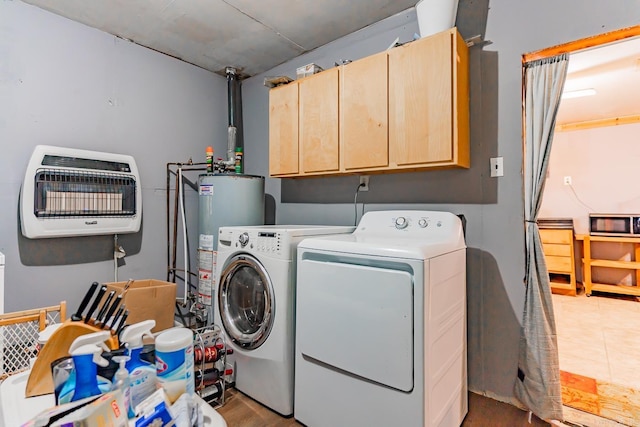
[60, 193]
[71, 192]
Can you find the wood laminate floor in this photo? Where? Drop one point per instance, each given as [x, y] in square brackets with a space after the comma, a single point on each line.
[240, 410]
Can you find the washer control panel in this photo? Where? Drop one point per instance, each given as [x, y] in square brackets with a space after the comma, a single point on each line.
[259, 241]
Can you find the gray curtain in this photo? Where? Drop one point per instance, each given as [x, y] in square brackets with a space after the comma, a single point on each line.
[538, 383]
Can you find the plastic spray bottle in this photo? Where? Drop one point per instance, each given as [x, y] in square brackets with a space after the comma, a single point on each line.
[142, 374]
[86, 353]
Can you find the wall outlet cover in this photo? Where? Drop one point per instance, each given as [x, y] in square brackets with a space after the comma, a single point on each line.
[497, 166]
[364, 179]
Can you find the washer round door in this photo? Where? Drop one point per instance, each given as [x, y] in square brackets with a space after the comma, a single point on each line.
[246, 301]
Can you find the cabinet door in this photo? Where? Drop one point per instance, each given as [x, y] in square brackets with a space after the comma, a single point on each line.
[363, 113]
[319, 122]
[283, 130]
[421, 101]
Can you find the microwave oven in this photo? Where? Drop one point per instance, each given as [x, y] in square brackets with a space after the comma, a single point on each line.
[614, 224]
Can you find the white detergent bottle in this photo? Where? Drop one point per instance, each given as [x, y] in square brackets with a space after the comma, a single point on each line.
[86, 352]
[142, 374]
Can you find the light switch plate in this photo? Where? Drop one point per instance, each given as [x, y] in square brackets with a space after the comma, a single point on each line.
[497, 166]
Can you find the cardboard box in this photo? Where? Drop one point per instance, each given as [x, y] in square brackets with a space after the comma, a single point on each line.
[148, 299]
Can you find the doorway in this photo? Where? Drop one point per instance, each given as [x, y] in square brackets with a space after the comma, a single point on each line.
[593, 158]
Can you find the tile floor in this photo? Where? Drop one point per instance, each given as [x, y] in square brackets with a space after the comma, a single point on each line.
[598, 338]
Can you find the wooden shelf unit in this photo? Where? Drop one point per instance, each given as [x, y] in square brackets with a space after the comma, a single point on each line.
[589, 262]
[557, 245]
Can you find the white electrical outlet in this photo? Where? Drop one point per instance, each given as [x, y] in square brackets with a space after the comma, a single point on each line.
[364, 183]
[567, 180]
[497, 166]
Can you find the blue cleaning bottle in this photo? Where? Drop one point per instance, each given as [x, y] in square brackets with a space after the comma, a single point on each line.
[86, 353]
[142, 374]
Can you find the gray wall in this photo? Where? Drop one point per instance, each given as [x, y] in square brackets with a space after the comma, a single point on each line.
[62, 83]
[57, 78]
[494, 206]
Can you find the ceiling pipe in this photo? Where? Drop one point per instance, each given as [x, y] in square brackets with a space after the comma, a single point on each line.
[232, 103]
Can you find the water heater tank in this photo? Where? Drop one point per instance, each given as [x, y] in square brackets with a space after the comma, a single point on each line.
[224, 200]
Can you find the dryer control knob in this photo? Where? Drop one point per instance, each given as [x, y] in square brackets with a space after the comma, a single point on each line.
[423, 223]
[243, 239]
[401, 222]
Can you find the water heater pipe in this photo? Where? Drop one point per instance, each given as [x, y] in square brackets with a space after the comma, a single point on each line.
[231, 109]
[184, 236]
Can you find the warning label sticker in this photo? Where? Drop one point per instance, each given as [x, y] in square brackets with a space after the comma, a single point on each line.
[206, 275]
[206, 190]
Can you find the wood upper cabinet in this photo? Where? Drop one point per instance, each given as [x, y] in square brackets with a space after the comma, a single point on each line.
[283, 130]
[428, 102]
[364, 113]
[403, 109]
[318, 115]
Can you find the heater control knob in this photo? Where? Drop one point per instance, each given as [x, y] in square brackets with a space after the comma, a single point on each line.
[243, 239]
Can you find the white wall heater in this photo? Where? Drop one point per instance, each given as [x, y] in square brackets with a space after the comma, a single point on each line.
[70, 192]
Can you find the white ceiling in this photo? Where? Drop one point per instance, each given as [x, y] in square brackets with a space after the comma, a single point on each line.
[254, 36]
[614, 72]
[250, 35]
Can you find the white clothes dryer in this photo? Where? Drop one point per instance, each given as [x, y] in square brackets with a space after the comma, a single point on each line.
[381, 324]
[255, 306]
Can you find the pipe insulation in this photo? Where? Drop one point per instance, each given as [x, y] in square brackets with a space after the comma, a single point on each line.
[231, 110]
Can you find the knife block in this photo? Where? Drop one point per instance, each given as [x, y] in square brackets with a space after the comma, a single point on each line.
[40, 379]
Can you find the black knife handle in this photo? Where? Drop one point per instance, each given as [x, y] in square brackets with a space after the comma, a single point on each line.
[96, 301]
[116, 317]
[111, 310]
[105, 307]
[123, 320]
[85, 302]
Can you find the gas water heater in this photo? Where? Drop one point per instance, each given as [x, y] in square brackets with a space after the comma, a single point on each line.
[224, 200]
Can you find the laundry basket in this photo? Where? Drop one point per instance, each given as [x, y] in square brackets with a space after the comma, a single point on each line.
[19, 336]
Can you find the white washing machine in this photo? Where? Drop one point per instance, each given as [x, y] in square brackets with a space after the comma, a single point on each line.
[255, 306]
[381, 324]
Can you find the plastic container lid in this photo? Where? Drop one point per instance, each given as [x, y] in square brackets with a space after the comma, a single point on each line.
[174, 339]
